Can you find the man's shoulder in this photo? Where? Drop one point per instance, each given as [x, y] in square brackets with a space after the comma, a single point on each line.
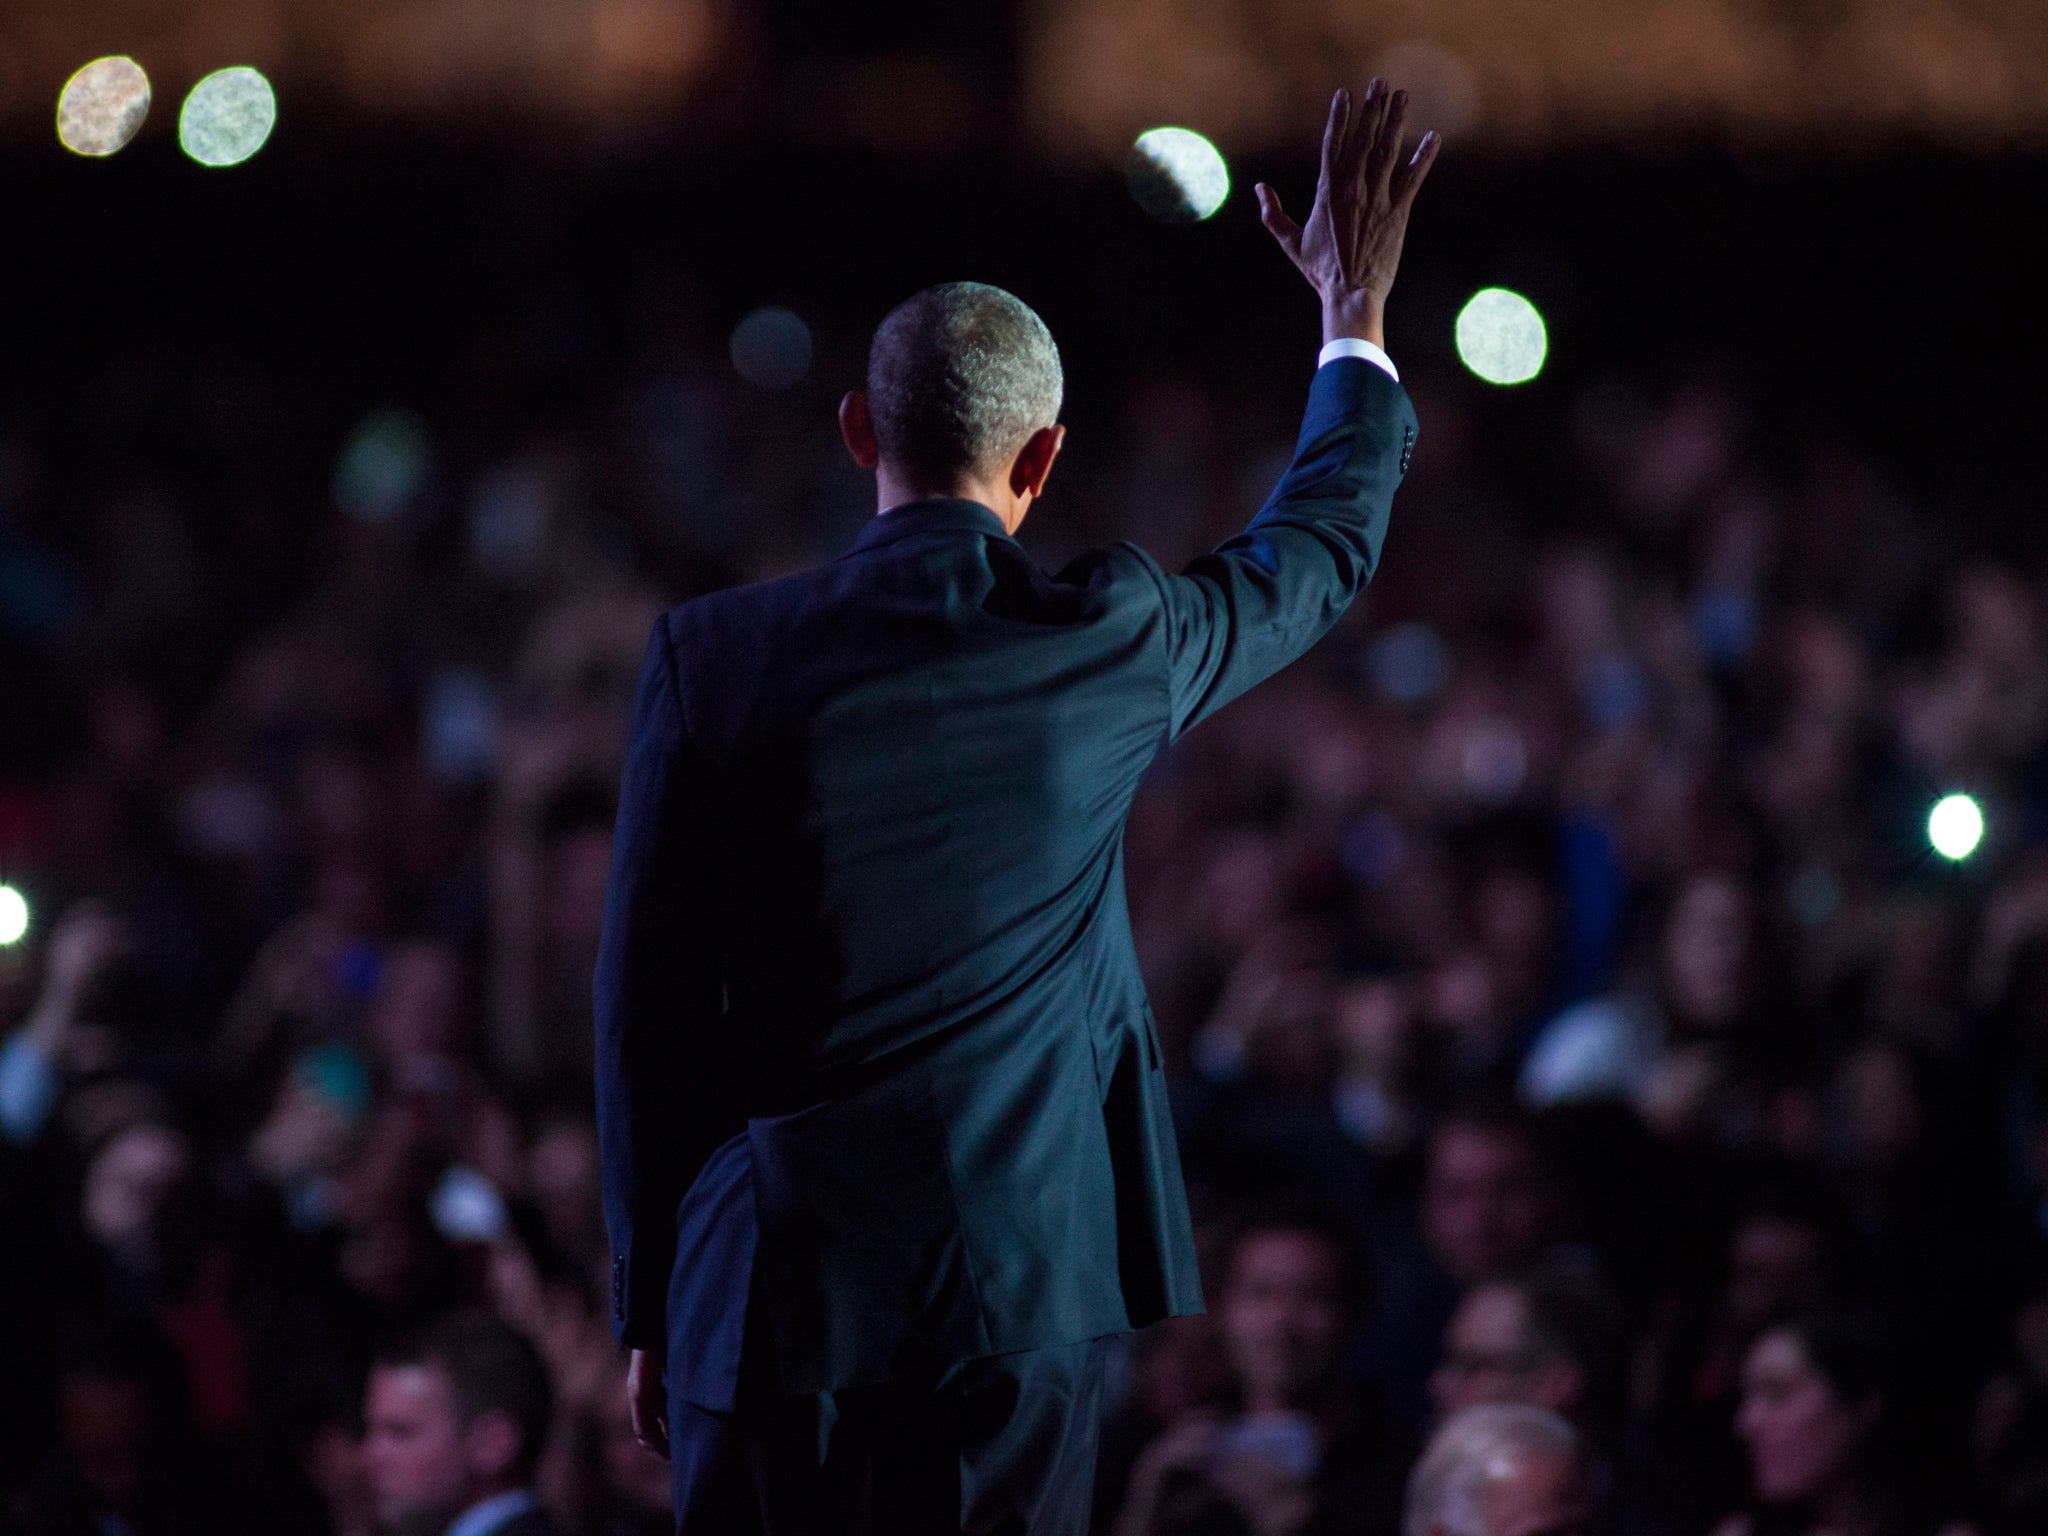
[1120, 571]
[747, 611]
[767, 595]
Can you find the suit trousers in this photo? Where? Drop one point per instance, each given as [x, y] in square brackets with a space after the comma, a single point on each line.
[1003, 1446]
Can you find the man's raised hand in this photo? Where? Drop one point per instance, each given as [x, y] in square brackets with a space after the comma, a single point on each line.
[1350, 244]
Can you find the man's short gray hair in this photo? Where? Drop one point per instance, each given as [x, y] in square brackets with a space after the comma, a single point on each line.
[959, 376]
[1447, 1489]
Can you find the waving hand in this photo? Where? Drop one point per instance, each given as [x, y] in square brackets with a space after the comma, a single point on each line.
[1350, 245]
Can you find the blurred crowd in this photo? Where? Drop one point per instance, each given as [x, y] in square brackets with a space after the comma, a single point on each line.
[1581, 1060]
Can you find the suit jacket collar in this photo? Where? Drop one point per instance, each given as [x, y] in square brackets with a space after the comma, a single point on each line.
[932, 514]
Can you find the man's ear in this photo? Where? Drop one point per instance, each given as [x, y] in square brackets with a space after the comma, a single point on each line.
[857, 427]
[490, 1444]
[1034, 460]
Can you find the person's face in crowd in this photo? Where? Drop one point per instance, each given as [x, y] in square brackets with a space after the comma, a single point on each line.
[425, 1465]
[1707, 951]
[562, 1178]
[1535, 1494]
[1995, 618]
[1282, 1313]
[103, 1424]
[1802, 1436]
[1486, 1204]
[1777, 1268]
[1512, 915]
[1180, 1368]
[332, 1458]
[1882, 1105]
[418, 1011]
[1292, 1041]
[392, 1256]
[1373, 1025]
[1825, 667]
[1238, 890]
[1576, 607]
[1491, 1356]
[131, 1185]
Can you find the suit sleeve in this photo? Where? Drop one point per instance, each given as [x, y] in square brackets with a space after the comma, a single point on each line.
[657, 995]
[1257, 601]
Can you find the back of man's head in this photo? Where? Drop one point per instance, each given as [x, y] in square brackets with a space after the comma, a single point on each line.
[1497, 1468]
[959, 377]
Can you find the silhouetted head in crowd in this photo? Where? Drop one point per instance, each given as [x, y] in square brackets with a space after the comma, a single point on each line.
[1812, 1416]
[1288, 1298]
[1880, 1103]
[1550, 1339]
[1489, 1205]
[1783, 1252]
[1708, 958]
[2009, 1424]
[120, 1416]
[1499, 1470]
[138, 1198]
[576, 824]
[563, 1178]
[421, 1011]
[452, 1415]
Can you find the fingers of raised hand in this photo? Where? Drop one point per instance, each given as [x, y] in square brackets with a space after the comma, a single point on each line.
[1365, 133]
[1386, 149]
[1409, 176]
[1278, 224]
[1356, 136]
[1333, 141]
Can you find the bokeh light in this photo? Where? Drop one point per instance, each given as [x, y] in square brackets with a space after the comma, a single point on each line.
[1955, 826]
[13, 914]
[102, 106]
[382, 467]
[227, 116]
[1501, 337]
[1177, 175]
[771, 348]
[1409, 663]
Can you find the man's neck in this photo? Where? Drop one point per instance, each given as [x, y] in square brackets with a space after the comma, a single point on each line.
[893, 490]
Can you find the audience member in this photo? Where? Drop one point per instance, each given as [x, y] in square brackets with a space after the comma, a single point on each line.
[1293, 1450]
[1499, 1470]
[453, 1424]
[1815, 1418]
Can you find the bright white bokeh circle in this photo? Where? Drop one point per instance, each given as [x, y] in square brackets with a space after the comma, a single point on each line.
[1501, 337]
[102, 106]
[13, 914]
[227, 116]
[1955, 826]
[1190, 164]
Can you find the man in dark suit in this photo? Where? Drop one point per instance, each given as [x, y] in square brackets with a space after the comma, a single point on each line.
[886, 1149]
[454, 1418]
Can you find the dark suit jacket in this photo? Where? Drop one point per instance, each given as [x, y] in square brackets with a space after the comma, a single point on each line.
[871, 1035]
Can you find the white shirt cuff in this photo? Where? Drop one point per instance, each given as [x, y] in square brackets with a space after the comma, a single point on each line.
[1352, 346]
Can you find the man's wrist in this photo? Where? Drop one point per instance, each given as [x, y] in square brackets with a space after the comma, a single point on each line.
[1359, 316]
